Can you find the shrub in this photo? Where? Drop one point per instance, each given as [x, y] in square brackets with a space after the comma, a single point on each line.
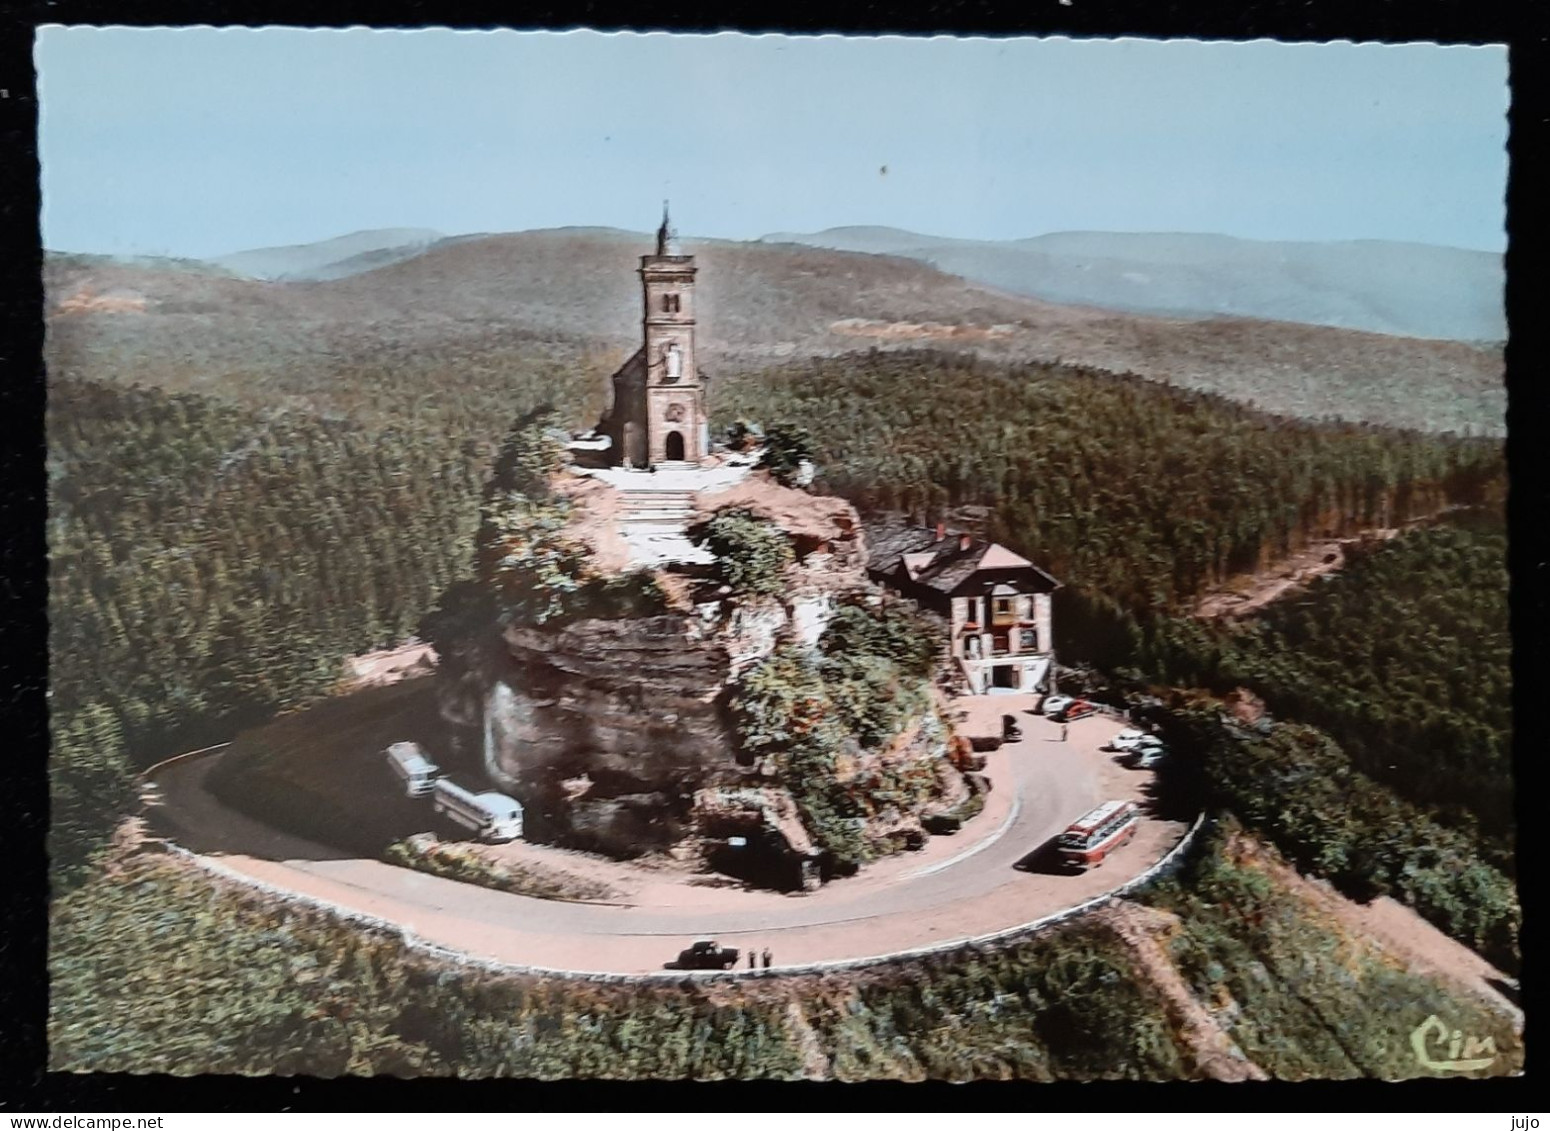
[742, 435]
[468, 865]
[891, 632]
[751, 553]
[786, 448]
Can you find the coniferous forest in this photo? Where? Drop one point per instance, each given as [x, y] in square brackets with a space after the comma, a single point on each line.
[211, 565]
[1136, 491]
[1403, 656]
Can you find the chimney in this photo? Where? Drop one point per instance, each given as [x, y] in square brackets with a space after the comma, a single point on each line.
[963, 541]
[941, 531]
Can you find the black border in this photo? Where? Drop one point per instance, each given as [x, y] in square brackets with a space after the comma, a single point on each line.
[24, 1086]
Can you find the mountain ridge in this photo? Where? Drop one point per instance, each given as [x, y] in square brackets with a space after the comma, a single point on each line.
[314, 261]
[1403, 288]
[574, 293]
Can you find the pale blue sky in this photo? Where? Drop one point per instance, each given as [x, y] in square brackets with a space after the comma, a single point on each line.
[202, 141]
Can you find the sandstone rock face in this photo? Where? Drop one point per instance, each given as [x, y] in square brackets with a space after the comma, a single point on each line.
[635, 706]
[615, 734]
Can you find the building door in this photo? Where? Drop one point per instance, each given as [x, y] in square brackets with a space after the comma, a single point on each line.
[674, 448]
[1005, 675]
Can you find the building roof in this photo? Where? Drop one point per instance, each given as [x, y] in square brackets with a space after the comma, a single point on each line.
[667, 236]
[998, 556]
[632, 371]
[945, 564]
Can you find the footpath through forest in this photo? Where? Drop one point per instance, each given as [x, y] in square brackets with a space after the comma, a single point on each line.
[1247, 594]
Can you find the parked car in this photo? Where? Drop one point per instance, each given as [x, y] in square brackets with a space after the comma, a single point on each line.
[1054, 704]
[1126, 741]
[707, 955]
[1076, 709]
[1148, 754]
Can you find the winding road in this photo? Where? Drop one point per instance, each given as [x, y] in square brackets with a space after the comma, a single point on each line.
[958, 887]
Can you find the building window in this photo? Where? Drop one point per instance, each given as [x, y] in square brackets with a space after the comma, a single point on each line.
[669, 304]
[1028, 640]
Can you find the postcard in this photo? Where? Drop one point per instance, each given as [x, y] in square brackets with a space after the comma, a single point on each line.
[658, 556]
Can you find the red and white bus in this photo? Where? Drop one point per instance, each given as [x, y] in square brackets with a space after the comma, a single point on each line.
[1088, 841]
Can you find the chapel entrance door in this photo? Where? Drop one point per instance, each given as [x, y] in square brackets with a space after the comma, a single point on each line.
[674, 448]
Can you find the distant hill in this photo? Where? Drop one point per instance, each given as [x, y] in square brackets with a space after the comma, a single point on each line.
[330, 259]
[87, 261]
[458, 317]
[1407, 289]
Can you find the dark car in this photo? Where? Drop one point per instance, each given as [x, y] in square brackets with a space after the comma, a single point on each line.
[707, 956]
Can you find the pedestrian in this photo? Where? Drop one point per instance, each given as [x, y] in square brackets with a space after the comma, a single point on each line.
[767, 958]
[750, 958]
[1063, 728]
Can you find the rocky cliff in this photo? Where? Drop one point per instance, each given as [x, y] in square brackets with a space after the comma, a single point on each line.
[617, 732]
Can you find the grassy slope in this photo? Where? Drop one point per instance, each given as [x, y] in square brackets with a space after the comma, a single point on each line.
[461, 320]
[205, 976]
[1300, 992]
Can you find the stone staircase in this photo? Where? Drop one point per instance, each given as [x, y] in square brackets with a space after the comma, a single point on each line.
[659, 507]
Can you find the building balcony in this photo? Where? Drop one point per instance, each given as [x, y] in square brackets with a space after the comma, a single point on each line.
[990, 659]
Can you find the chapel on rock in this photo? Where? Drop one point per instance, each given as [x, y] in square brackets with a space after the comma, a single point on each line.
[997, 604]
[658, 416]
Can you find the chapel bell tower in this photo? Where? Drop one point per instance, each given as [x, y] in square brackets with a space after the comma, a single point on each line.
[674, 419]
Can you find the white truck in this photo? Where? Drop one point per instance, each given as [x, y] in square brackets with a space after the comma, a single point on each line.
[491, 816]
[408, 761]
